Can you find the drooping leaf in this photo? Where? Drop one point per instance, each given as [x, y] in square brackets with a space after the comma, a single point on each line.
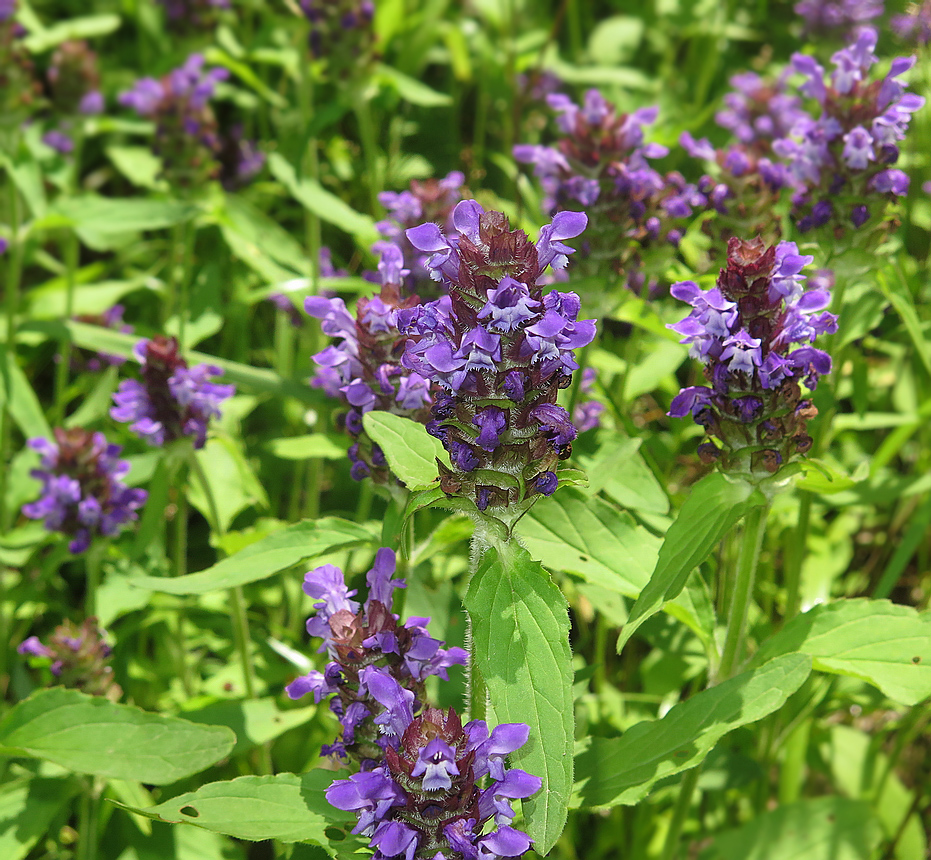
[312, 445]
[410, 450]
[303, 540]
[714, 505]
[520, 641]
[611, 771]
[93, 735]
[254, 721]
[87, 27]
[882, 643]
[812, 829]
[20, 400]
[285, 807]
[412, 90]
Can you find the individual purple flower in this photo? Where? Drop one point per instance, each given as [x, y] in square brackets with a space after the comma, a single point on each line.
[501, 349]
[172, 400]
[423, 802]
[914, 25]
[58, 140]
[363, 367]
[753, 331]
[377, 666]
[83, 493]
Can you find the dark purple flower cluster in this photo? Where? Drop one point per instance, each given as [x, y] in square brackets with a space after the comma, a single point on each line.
[186, 135]
[837, 16]
[428, 200]
[366, 645]
[74, 80]
[193, 14]
[745, 331]
[83, 493]
[78, 658]
[340, 31]
[914, 25]
[424, 801]
[840, 162]
[20, 89]
[240, 160]
[500, 349]
[172, 400]
[363, 368]
[602, 164]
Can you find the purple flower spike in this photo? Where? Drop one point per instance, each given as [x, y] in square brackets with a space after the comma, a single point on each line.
[744, 330]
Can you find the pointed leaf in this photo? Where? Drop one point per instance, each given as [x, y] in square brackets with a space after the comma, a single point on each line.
[520, 641]
[92, 735]
[285, 807]
[622, 770]
[20, 400]
[410, 450]
[882, 643]
[265, 557]
[714, 505]
[27, 808]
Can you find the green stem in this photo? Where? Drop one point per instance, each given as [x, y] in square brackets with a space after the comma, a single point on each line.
[680, 812]
[363, 111]
[795, 554]
[754, 529]
[62, 371]
[93, 560]
[14, 272]
[238, 618]
[475, 682]
[87, 821]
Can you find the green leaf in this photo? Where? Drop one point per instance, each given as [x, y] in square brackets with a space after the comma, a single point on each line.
[591, 538]
[614, 40]
[714, 505]
[27, 808]
[233, 484]
[520, 642]
[410, 450]
[812, 829]
[138, 164]
[88, 27]
[622, 473]
[92, 735]
[254, 721]
[313, 445]
[20, 400]
[104, 222]
[285, 807]
[244, 72]
[412, 90]
[265, 557]
[622, 770]
[314, 197]
[822, 477]
[882, 643]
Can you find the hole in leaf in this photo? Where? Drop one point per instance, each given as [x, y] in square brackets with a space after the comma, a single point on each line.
[583, 558]
[334, 834]
[916, 659]
[190, 811]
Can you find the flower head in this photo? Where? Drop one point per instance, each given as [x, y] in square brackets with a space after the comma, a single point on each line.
[172, 400]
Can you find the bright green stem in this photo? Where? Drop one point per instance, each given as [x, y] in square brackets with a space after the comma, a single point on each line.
[363, 111]
[14, 271]
[310, 168]
[795, 553]
[93, 561]
[754, 528]
[87, 821]
[238, 618]
[680, 812]
[182, 251]
[71, 250]
[792, 772]
[475, 683]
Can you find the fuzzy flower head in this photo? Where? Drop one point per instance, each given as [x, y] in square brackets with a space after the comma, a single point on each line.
[172, 400]
[363, 368]
[833, 17]
[753, 332]
[83, 493]
[74, 79]
[78, 658]
[601, 163]
[840, 154]
[914, 25]
[377, 665]
[424, 800]
[499, 349]
[427, 200]
[186, 134]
